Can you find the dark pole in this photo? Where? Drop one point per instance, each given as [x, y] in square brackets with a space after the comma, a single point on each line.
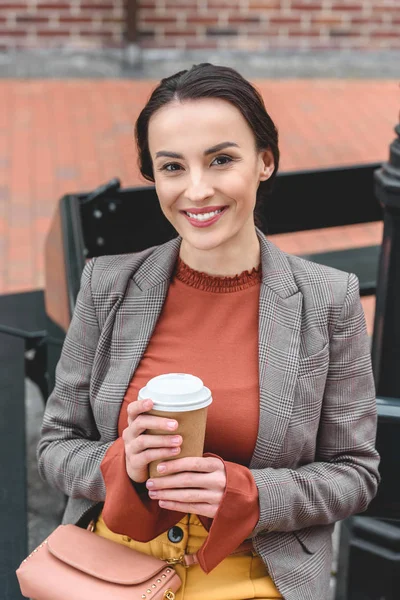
[131, 21]
[132, 50]
[386, 335]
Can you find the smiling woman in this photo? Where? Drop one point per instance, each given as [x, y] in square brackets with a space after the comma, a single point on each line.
[209, 190]
[209, 149]
[280, 341]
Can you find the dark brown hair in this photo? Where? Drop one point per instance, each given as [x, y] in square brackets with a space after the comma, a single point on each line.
[210, 81]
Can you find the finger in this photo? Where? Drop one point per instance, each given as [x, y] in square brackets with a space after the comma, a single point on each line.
[138, 461]
[187, 495]
[137, 407]
[187, 479]
[145, 442]
[199, 464]
[205, 510]
[143, 422]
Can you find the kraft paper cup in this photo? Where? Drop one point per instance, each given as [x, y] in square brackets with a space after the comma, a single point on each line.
[182, 397]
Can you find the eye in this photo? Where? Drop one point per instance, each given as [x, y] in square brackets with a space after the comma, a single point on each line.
[221, 160]
[170, 167]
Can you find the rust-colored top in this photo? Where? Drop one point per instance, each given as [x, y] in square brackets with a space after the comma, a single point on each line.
[209, 328]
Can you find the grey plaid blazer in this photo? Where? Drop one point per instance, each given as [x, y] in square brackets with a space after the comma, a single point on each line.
[315, 460]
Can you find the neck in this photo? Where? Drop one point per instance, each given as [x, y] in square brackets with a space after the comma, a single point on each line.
[223, 261]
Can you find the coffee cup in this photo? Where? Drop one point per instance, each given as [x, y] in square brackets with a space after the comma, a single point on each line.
[182, 397]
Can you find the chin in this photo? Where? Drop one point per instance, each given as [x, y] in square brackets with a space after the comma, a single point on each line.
[205, 242]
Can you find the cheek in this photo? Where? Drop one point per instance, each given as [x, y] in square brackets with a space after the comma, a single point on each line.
[241, 187]
[167, 192]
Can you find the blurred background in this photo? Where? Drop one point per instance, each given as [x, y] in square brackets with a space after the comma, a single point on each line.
[74, 75]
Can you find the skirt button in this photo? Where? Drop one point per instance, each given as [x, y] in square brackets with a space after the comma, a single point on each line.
[175, 534]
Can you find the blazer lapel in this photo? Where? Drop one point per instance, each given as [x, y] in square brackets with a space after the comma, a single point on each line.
[140, 309]
[280, 311]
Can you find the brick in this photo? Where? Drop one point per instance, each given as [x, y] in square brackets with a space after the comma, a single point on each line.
[273, 31]
[156, 19]
[326, 20]
[347, 7]
[200, 20]
[264, 5]
[52, 33]
[108, 7]
[366, 20]
[307, 6]
[237, 19]
[112, 20]
[284, 20]
[179, 32]
[223, 31]
[11, 33]
[170, 6]
[94, 33]
[386, 9]
[344, 32]
[31, 19]
[14, 7]
[76, 19]
[389, 33]
[303, 33]
[213, 4]
[233, 7]
[53, 6]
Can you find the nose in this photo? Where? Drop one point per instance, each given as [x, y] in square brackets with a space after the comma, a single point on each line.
[198, 189]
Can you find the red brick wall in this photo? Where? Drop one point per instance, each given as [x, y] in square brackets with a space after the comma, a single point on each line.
[197, 24]
[64, 23]
[263, 24]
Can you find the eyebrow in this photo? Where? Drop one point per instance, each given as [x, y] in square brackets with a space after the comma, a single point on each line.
[211, 150]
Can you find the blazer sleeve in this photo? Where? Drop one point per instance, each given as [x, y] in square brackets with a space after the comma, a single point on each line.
[344, 477]
[69, 451]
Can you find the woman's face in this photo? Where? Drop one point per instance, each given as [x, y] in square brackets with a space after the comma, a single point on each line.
[207, 171]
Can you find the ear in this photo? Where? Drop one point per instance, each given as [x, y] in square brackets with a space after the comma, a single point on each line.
[267, 164]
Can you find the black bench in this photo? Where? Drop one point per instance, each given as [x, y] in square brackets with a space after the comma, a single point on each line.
[311, 200]
[22, 335]
[111, 220]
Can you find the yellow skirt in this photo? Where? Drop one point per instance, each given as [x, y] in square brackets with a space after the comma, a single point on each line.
[240, 577]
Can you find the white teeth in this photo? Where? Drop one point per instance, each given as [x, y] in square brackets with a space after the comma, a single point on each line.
[204, 216]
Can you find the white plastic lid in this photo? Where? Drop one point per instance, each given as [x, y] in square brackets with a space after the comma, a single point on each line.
[176, 392]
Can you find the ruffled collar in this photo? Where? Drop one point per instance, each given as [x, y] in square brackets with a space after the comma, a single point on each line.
[213, 283]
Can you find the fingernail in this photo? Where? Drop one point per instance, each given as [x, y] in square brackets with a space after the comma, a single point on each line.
[149, 484]
[176, 440]
[147, 404]
[175, 450]
[172, 424]
[161, 468]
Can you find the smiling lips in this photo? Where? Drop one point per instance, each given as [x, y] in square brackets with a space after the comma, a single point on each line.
[202, 217]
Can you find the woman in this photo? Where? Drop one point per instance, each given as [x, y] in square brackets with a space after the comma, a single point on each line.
[280, 341]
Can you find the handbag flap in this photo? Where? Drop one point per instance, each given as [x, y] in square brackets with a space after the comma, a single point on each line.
[102, 558]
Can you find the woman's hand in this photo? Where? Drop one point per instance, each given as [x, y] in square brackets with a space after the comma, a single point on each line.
[140, 448]
[190, 485]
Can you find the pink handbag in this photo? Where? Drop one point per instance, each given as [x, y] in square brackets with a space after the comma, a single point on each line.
[76, 564]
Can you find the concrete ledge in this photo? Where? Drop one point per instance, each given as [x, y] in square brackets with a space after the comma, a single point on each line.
[133, 63]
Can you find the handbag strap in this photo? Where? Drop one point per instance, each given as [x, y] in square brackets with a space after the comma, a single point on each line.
[187, 560]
